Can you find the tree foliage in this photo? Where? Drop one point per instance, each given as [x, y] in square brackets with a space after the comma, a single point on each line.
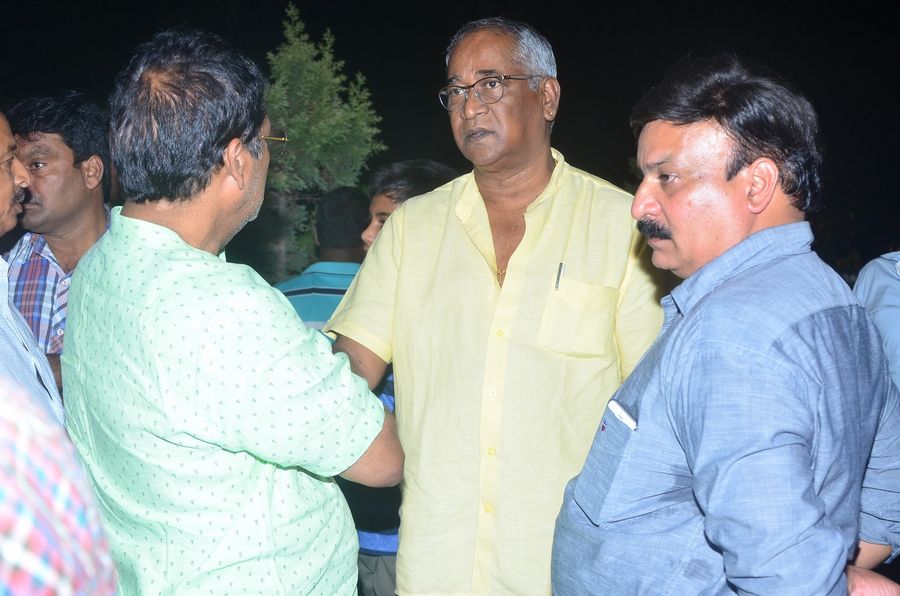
[332, 130]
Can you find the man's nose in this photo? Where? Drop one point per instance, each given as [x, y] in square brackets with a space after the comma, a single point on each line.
[472, 106]
[21, 175]
[368, 235]
[643, 202]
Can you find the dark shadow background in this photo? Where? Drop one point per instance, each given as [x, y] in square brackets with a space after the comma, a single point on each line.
[844, 56]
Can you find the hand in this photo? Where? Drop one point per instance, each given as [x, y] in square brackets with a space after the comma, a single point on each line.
[864, 582]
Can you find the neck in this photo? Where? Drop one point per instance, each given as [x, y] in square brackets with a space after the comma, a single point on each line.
[193, 220]
[342, 255]
[515, 190]
[779, 212]
[70, 244]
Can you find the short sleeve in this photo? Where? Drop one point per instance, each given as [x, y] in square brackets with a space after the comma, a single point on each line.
[880, 501]
[878, 289]
[366, 314]
[274, 389]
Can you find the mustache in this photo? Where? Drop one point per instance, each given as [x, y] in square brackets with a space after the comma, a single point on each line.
[21, 195]
[653, 229]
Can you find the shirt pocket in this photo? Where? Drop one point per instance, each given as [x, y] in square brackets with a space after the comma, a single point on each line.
[579, 319]
[594, 489]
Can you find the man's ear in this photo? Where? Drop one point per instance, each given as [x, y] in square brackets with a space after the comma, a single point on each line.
[550, 95]
[92, 171]
[236, 162]
[765, 180]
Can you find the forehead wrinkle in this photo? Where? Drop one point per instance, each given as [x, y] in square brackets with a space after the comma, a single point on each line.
[33, 147]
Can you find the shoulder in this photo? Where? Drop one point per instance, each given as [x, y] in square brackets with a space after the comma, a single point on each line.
[594, 200]
[438, 200]
[766, 303]
[598, 188]
[23, 248]
[885, 268]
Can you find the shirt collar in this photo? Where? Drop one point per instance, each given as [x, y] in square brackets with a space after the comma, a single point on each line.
[471, 196]
[759, 248]
[145, 232]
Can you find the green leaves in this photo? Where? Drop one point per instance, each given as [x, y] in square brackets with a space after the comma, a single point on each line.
[333, 130]
[331, 122]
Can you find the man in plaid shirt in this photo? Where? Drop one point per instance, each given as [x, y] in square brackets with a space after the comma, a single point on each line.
[62, 141]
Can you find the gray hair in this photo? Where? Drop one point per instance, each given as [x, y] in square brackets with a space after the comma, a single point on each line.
[531, 50]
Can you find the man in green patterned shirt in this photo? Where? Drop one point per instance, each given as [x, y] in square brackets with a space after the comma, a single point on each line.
[209, 417]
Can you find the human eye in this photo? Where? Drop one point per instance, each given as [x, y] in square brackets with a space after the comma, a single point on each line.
[489, 83]
[37, 165]
[665, 178]
[454, 91]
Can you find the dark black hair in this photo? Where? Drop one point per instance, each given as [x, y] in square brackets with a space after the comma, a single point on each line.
[761, 112]
[341, 216]
[402, 180]
[182, 98]
[81, 123]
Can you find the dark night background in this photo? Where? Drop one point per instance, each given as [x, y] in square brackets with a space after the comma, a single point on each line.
[844, 57]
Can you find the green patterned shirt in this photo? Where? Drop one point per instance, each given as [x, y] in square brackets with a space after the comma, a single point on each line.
[210, 420]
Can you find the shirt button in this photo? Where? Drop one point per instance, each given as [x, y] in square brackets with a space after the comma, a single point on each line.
[488, 508]
[65, 283]
[499, 332]
[60, 331]
[491, 451]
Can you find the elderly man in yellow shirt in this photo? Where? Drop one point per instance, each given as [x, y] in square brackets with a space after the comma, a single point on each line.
[512, 301]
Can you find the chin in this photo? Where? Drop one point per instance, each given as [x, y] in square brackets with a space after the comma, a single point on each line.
[7, 223]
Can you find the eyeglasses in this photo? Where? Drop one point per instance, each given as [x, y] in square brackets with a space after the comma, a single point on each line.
[281, 137]
[487, 90]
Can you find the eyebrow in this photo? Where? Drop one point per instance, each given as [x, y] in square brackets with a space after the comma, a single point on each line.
[656, 165]
[10, 150]
[33, 149]
[488, 72]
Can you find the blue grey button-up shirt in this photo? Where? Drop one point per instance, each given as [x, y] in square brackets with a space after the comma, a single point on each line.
[732, 459]
[878, 289]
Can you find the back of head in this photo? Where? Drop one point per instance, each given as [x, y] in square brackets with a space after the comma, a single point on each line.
[341, 216]
[81, 123]
[182, 98]
[532, 50]
[763, 115]
[402, 180]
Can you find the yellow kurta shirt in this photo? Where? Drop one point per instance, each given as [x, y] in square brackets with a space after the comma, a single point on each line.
[499, 390]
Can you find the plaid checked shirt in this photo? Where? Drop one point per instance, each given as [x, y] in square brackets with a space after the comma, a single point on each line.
[51, 540]
[40, 289]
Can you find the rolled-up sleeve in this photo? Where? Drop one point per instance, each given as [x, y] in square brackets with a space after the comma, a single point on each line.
[879, 521]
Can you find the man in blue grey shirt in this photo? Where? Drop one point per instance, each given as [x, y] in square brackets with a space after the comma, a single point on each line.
[878, 289]
[736, 457]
